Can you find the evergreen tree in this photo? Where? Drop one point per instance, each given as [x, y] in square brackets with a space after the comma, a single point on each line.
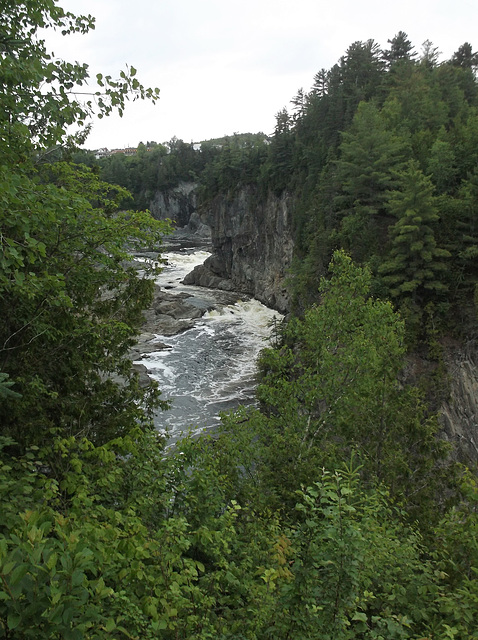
[362, 71]
[401, 49]
[430, 55]
[416, 267]
[467, 235]
[370, 154]
[465, 57]
[281, 152]
[321, 82]
[442, 164]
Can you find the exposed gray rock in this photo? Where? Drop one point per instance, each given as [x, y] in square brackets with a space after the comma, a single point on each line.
[146, 343]
[204, 276]
[180, 205]
[177, 204]
[459, 413]
[456, 399]
[252, 246]
[168, 315]
[141, 370]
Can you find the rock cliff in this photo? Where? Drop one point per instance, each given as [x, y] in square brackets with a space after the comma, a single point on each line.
[252, 246]
[180, 204]
[451, 389]
[459, 413]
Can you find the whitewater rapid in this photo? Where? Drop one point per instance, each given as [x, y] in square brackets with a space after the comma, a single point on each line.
[211, 367]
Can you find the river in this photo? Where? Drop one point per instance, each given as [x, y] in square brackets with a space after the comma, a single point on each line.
[211, 367]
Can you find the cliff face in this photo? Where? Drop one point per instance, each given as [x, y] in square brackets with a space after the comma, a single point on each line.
[252, 247]
[459, 413]
[452, 392]
[251, 242]
[180, 205]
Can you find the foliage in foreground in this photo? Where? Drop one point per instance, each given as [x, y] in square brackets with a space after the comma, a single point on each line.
[218, 539]
[143, 546]
[70, 300]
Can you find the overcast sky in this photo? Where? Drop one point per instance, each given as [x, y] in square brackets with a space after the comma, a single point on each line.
[226, 66]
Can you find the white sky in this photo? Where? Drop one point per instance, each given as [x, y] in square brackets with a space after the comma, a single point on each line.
[226, 66]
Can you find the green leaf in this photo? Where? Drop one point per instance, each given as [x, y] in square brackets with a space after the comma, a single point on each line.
[18, 574]
[359, 615]
[8, 567]
[77, 578]
[110, 625]
[13, 620]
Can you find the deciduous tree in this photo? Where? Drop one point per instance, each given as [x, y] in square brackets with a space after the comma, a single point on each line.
[70, 302]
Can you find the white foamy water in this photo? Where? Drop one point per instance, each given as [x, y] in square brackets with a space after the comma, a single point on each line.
[211, 367]
[178, 264]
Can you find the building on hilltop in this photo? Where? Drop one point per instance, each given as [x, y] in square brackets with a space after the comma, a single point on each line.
[106, 153]
[102, 153]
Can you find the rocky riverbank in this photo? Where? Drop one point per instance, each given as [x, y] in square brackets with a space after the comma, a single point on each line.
[169, 315]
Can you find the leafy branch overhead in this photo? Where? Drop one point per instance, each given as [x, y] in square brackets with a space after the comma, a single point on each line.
[42, 96]
[70, 300]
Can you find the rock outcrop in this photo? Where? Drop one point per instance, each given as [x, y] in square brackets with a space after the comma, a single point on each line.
[459, 413]
[180, 205]
[252, 247]
[451, 389]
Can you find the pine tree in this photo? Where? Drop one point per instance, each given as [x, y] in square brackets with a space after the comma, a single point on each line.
[467, 233]
[442, 163]
[370, 155]
[400, 49]
[416, 265]
[465, 57]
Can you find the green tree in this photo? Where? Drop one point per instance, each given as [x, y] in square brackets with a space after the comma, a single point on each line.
[370, 154]
[442, 164]
[70, 300]
[362, 74]
[72, 304]
[466, 231]
[401, 49]
[330, 389]
[281, 151]
[416, 268]
[349, 554]
[416, 99]
[465, 57]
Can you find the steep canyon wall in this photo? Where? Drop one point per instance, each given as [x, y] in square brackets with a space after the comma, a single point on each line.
[252, 246]
[459, 412]
[180, 205]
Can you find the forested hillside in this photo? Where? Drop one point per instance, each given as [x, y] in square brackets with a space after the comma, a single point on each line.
[381, 157]
[332, 512]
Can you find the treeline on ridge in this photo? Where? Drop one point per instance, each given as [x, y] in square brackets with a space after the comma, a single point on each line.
[380, 156]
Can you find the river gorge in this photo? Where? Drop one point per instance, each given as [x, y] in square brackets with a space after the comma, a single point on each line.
[249, 250]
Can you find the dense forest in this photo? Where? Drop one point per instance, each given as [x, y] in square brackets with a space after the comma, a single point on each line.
[333, 511]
